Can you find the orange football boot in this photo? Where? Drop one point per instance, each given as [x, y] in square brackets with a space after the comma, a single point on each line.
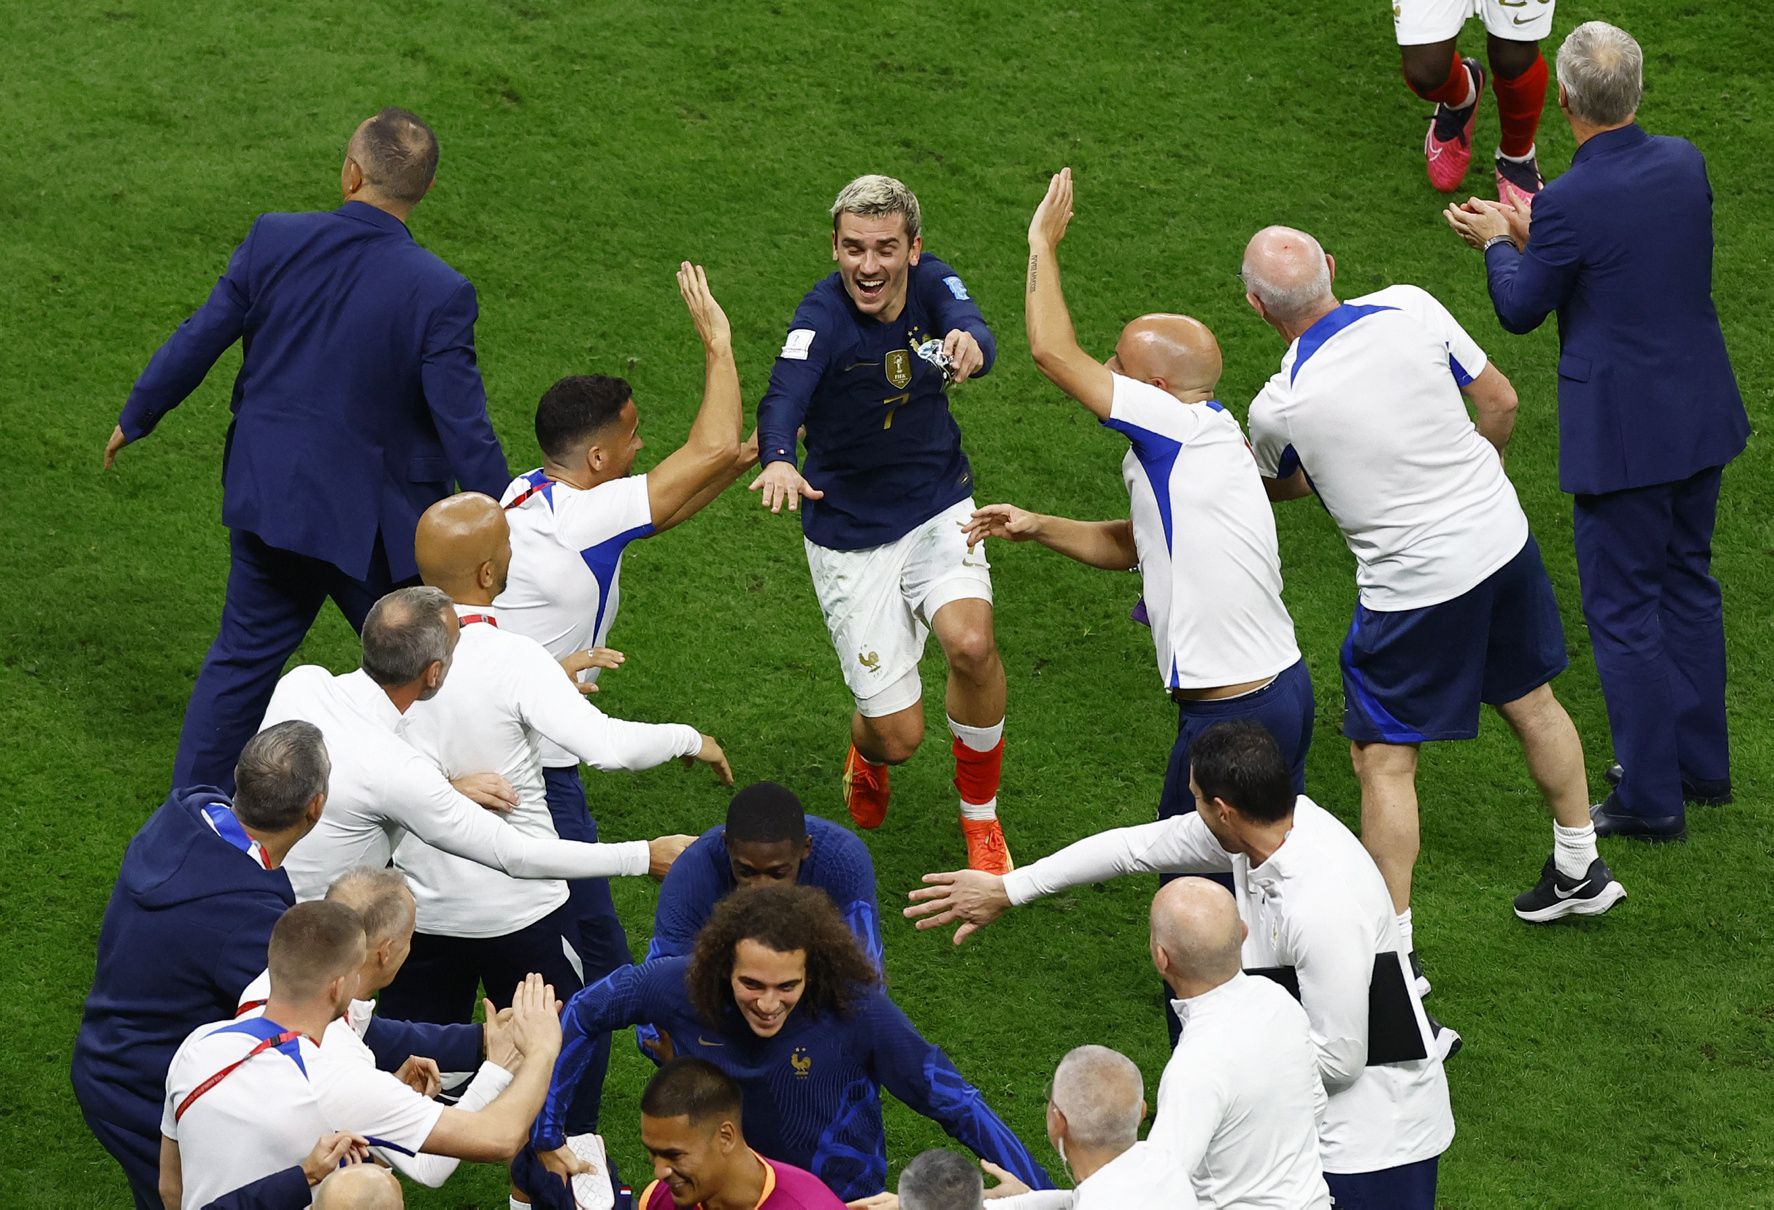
[865, 790]
[985, 846]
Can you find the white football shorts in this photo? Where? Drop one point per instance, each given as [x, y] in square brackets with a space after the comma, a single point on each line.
[878, 603]
[1423, 21]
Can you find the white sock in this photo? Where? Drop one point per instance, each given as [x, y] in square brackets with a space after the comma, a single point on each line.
[1404, 931]
[980, 739]
[1573, 849]
[1518, 159]
[517, 1205]
[1471, 89]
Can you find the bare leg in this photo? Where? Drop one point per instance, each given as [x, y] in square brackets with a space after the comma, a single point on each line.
[1554, 753]
[976, 691]
[888, 739]
[1388, 776]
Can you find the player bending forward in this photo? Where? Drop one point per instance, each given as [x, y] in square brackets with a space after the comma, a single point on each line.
[869, 358]
[1435, 70]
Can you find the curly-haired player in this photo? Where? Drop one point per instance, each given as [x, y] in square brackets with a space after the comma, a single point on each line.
[779, 995]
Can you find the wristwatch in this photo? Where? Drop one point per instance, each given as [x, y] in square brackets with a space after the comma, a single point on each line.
[1498, 239]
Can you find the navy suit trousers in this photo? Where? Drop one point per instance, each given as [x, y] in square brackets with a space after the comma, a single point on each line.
[1657, 624]
[273, 598]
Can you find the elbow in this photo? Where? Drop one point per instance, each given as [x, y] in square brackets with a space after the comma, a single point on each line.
[1517, 323]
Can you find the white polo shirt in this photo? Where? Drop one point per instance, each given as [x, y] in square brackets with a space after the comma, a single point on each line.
[1210, 567]
[1143, 1175]
[1240, 1099]
[267, 1114]
[1368, 401]
[503, 697]
[1320, 906]
[381, 788]
[566, 565]
[343, 1043]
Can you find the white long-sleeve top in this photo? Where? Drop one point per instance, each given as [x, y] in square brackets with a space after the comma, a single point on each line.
[1319, 905]
[1143, 1175]
[343, 1043]
[504, 695]
[381, 788]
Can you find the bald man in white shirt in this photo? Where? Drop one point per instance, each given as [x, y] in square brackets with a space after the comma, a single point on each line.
[382, 788]
[1318, 915]
[506, 697]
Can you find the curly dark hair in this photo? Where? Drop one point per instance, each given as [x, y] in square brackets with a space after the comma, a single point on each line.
[782, 917]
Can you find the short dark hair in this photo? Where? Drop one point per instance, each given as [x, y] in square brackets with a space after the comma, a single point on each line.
[941, 1180]
[1240, 762]
[404, 634]
[694, 1089]
[783, 917]
[398, 154]
[311, 945]
[575, 409]
[766, 813]
[280, 771]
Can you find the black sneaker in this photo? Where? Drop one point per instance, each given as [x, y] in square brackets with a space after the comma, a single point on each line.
[1556, 896]
[1447, 1043]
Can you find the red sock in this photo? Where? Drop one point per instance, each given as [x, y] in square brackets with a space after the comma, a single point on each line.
[1451, 91]
[977, 774]
[1519, 102]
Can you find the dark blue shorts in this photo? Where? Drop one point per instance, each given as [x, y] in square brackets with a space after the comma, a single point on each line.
[1412, 675]
[1284, 706]
[1406, 1187]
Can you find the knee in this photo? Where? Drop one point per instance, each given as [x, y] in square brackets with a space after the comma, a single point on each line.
[896, 736]
[1383, 761]
[1426, 67]
[1509, 58]
[972, 653]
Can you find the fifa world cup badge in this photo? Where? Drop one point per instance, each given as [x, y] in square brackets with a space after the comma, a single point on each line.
[899, 368]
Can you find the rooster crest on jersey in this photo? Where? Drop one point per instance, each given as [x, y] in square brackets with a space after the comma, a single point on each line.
[802, 1062]
[899, 367]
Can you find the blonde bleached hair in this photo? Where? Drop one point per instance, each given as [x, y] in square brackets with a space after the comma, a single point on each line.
[874, 196]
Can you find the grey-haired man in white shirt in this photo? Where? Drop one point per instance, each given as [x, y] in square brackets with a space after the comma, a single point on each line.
[1318, 913]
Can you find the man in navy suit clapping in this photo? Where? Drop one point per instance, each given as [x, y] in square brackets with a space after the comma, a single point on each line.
[358, 405]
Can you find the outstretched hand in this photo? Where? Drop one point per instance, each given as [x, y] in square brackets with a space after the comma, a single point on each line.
[1048, 227]
[779, 484]
[712, 755]
[594, 657]
[1005, 521]
[973, 897]
[711, 322]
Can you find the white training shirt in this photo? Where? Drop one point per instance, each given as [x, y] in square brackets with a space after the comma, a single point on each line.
[1368, 401]
[343, 1042]
[1210, 567]
[1143, 1175]
[267, 1114]
[1240, 1099]
[505, 695]
[381, 787]
[1320, 906]
[566, 565]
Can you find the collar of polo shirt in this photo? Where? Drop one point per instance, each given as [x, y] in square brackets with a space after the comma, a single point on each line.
[1196, 1008]
[370, 698]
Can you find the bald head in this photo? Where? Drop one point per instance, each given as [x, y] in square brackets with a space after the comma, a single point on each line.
[463, 546]
[1197, 938]
[394, 155]
[1100, 1094]
[1177, 353]
[1288, 273]
[359, 1187]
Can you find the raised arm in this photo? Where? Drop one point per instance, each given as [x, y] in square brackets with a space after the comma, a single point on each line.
[457, 398]
[711, 453]
[1051, 339]
[180, 364]
[1105, 544]
[920, 1074]
[551, 706]
[620, 999]
[498, 1130]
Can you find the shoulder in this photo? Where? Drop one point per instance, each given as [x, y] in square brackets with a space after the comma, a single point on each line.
[822, 306]
[937, 277]
[1400, 297]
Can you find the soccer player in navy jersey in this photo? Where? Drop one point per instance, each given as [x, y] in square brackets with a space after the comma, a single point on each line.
[866, 368]
[779, 995]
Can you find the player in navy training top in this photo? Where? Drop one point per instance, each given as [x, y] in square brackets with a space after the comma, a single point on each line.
[866, 369]
[767, 839]
[780, 997]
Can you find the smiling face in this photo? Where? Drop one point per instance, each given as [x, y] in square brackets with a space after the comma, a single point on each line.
[767, 985]
[690, 1159]
[875, 260]
[760, 862]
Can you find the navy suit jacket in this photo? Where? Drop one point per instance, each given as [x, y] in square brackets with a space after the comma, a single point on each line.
[358, 400]
[1621, 247]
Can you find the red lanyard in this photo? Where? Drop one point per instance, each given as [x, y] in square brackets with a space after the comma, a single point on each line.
[469, 619]
[288, 1035]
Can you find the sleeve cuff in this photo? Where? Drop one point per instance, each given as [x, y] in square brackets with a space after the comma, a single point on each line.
[637, 857]
[1020, 886]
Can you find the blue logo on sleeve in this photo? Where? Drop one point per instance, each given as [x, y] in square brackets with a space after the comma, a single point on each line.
[956, 288]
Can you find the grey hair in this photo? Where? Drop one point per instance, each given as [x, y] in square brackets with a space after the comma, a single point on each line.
[875, 195]
[280, 771]
[1603, 73]
[941, 1180]
[378, 894]
[404, 634]
[1288, 300]
[1102, 1096]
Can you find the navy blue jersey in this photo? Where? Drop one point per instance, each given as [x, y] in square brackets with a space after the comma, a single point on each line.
[881, 443]
[811, 1092]
[702, 876]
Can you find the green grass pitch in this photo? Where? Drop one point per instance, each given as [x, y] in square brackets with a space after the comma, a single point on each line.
[589, 147]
